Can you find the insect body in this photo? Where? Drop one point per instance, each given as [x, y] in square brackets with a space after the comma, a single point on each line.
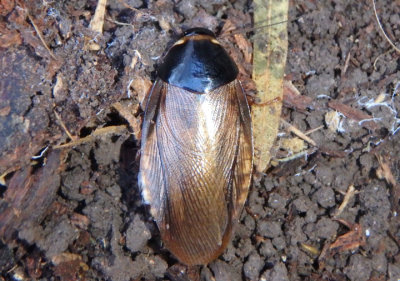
[196, 149]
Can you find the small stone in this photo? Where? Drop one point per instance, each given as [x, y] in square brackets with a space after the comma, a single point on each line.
[250, 223]
[326, 197]
[224, 272]
[311, 216]
[267, 249]
[276, 201]
[379, 263]
[302, 204]
[326, 228]
[137, 235]
[279, 243]
[269, 229]
[277, 273]
[253, 266]
[359, 268]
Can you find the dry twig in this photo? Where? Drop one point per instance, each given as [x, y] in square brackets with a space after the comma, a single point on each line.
[97, 22]
[298, 133]
[349, 194]
[381, 28]
[98, 132]
[39, 33]
[71, 136]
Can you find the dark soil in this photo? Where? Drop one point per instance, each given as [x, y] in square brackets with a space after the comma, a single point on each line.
[76, 213]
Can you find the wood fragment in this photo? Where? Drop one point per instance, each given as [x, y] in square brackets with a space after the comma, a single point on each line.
[96, 24]
[64, 257]
[67, 265]
[380, 98]
[120, 23]
[333, 153]
[146, 14]
[28, 196]
[244, 45]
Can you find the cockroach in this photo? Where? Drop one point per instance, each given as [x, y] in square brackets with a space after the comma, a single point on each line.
[196, 148]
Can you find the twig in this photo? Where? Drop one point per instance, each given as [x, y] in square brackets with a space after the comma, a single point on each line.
[39, 33]
[120, 23]
[314, 130]
[381, 28]
[296, 155]
[298, 133]
[72, 137]
[346, 63]
[97, 22]
[6, 173]
[349, 194]
[379, 57]
[96, 133]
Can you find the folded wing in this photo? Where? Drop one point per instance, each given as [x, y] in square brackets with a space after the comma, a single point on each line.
[196, 166]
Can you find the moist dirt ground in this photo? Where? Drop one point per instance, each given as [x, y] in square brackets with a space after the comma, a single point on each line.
[75, 212]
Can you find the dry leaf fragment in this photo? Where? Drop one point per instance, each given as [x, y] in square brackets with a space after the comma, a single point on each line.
[80, 221]
[354, 114]
[309, 249]
[269, 61]
[244, 45]
[129, 111]
[8, 37]
[69, 266]
[349, 241]
[384, 172]
[6, 6]
[292, 145]
[346, 242]
[333, 120]
[65, 257]
[293, 99]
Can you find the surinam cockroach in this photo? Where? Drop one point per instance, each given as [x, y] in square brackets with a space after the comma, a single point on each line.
[196, 148]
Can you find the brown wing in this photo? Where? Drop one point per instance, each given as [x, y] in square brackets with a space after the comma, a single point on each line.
[244, 160]
[150, 178]
[193, 139]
